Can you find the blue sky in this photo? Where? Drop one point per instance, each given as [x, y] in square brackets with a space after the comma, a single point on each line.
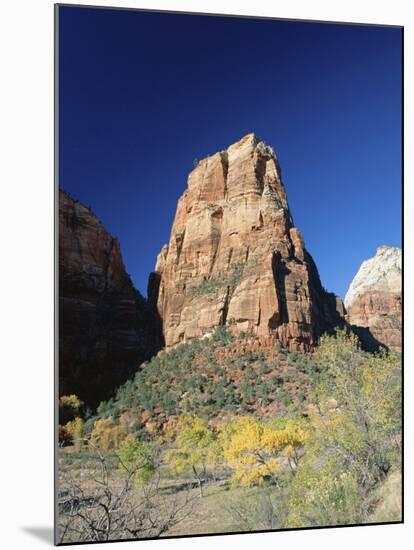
[143, 94]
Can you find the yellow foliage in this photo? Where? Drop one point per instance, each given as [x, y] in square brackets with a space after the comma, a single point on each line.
[69, 408]
[366, 385]
[107, 435]
[75, 429]
[173, 426]
[366, 390]
[256, 451]
[70, 401]
[64, 436]
[353, 434]
[323, 495]
[195, 445]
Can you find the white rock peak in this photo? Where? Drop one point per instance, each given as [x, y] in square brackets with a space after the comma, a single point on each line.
[381, 272]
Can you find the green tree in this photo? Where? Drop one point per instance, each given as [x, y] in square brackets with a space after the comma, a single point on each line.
[139, 457]
[247, 390]
[354, 437]
[219, 396]
[195, 447]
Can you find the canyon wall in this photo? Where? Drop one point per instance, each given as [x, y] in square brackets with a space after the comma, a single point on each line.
[106, 328]
[374, 301]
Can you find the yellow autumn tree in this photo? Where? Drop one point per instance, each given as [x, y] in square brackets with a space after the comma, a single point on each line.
[359, 413]
[256, 451]
[354, 435]
[195, 447]
[70, 407]
[76, 429]
[107, 435]
[173, 426]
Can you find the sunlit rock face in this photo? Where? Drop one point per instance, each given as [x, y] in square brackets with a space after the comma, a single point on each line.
[106, 329]
[235, 258]
[373, 300]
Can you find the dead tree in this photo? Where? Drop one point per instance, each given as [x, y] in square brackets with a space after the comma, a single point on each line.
[103, 506]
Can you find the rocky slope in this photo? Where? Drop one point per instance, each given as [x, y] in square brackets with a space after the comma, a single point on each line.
[235, 257]
[374, 302]
[105, 326]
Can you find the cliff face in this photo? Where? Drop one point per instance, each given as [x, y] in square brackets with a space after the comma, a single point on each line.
[235, 258]
[374, 299]
[105, 326]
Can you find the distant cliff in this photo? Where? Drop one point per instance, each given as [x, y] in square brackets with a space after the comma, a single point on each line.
[235, 257]
[106, 328]
[374, 300]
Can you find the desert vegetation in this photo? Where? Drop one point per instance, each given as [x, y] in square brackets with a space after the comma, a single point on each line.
[221, 435]
[229, 280]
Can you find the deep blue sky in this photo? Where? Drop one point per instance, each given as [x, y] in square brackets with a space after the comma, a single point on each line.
[144, 94]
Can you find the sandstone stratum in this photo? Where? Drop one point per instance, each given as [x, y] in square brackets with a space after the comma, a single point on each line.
[235, 257]
[105, 326]
[374, 301]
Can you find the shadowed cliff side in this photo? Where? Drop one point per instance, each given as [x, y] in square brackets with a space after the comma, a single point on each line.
[106, 328]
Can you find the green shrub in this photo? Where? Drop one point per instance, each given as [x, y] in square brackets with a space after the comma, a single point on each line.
[138, 456]
[222, 335]
[211, 285]
[208, 286]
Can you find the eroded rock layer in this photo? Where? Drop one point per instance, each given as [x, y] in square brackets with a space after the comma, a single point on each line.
[105, 326]
[235, 258]
[374, 301]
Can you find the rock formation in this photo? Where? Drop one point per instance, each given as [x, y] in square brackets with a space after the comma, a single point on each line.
[235, 258]
[373, 300]
[105, 326]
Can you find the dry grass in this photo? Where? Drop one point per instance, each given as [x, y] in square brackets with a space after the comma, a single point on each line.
[208, 514]
[214, 512]
[390, 501]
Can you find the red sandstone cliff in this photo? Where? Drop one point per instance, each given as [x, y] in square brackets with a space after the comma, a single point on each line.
[235, 258]
[374, 301]
[105, 326]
